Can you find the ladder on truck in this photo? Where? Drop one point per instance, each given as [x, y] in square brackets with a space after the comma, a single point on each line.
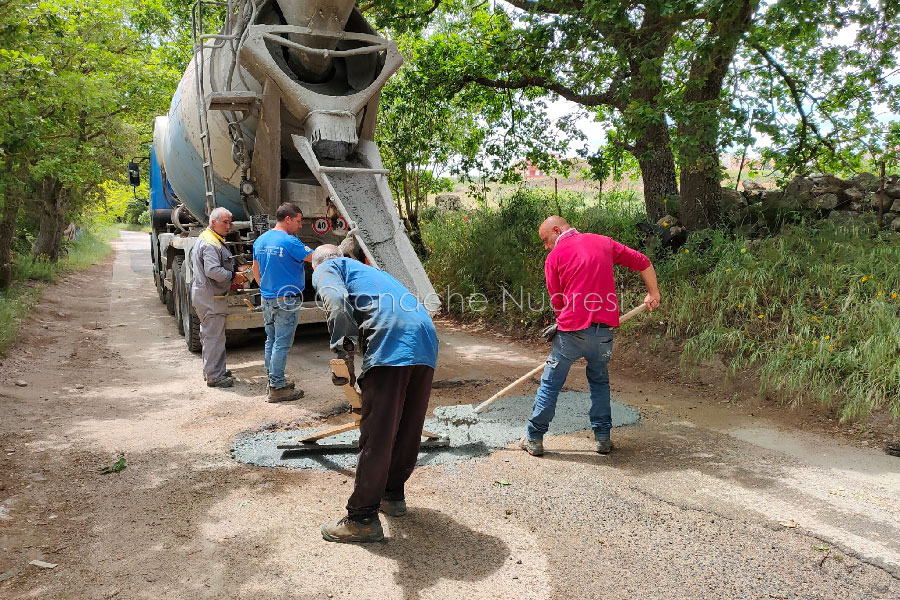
[233, 33]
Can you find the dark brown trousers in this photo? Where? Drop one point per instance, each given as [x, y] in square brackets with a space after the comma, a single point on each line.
[394, 402]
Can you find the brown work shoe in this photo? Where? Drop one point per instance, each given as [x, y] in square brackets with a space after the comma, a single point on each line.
[532, 448]
[283, 394]
[349, 531]
[393, 508]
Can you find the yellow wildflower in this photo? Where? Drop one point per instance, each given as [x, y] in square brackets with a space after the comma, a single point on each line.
[759, 316]
[864, 279]
[827, 337]
[879, 293]
[686, 251]
[743, 251]
[740, 305]
[665, 224]
[894, 295]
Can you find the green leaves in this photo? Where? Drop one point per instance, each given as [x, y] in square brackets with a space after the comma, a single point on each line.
[119, 465]
[80, 81]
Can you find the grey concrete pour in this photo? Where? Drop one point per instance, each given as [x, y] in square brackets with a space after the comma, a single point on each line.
[497, 427]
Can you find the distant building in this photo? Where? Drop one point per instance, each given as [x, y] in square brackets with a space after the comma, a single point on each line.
[532, 172]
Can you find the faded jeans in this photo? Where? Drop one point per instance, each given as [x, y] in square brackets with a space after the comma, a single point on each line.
[280, 316]
[595, 345]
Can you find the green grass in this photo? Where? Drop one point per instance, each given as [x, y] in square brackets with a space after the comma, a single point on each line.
[15, 302]
[800, 310]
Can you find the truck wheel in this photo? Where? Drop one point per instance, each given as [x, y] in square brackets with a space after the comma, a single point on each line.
[190, 320]
[170, 300]
[160, 286]
[176, 293]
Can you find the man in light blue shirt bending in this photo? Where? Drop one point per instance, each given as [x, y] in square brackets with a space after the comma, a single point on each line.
[370, 310]
[278, 257]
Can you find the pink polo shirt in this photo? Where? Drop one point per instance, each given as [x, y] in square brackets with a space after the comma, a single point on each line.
[579, 272]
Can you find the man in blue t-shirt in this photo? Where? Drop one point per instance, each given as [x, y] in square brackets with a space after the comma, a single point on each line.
[278, 257]
[371, 312]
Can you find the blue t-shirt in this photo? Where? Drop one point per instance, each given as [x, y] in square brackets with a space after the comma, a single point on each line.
[382, 318]
[280, 259]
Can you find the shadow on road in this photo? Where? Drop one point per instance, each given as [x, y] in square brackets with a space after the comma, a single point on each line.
[430, 546]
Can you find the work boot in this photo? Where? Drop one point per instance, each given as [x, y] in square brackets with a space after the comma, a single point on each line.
[288, 384]
[222, 382]
[227, 374]
[393, 508]
[604, 446]
[283, 394]
[531, 447]
[348, 530]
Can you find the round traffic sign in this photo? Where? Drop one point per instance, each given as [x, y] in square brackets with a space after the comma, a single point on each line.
[321, 226]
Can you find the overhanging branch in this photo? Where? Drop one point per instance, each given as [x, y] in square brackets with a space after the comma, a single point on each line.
[550, 7]
[607, 98]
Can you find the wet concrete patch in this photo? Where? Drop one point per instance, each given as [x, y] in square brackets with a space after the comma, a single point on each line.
[497, 427]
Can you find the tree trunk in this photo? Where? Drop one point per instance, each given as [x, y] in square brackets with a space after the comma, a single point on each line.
[12, 202]
[648, 128]
[698, 125]
[657, 164]
[52, 216]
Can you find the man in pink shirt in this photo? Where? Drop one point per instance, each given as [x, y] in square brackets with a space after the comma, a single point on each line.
[579, 272]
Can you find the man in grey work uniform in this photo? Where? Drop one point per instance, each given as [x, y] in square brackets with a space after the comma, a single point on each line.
[214, 273]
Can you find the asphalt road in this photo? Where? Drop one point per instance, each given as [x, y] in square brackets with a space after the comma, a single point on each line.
[700, 500]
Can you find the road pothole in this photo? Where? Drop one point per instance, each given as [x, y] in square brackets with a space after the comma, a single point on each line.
[499, 426]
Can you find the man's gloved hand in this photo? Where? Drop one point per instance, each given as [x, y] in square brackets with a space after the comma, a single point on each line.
[347, 357]
[348, 245]
[549, 332]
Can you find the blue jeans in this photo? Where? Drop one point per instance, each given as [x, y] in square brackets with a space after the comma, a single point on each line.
[280, 316]
[594, 344]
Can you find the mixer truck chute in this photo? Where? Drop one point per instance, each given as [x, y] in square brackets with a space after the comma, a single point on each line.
[279, 105]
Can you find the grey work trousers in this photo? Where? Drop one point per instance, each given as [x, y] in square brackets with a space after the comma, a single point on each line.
[211, 311]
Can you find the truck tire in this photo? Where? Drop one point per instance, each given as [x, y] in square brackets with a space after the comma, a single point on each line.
[189, 319]
[170, 300]
[176, 293]
[160, 286]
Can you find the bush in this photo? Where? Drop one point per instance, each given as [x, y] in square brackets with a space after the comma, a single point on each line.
[812, 310]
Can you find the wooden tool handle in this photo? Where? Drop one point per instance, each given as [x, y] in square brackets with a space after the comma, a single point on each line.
[633, 312]
[339, 368]
[487, 403]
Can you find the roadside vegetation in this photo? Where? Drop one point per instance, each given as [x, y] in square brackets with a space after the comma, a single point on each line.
[91, 246]
[811, 310]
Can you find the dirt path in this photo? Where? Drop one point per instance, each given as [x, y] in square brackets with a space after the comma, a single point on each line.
[698, 501]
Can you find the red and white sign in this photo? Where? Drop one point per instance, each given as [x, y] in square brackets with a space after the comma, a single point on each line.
[322, 226]
[341, 224]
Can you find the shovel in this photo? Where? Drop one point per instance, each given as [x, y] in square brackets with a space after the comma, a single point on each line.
[466, 414]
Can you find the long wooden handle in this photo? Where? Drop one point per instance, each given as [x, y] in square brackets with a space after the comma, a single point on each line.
[339, 368]
[487, 403]
[633, 312]
[484, 405]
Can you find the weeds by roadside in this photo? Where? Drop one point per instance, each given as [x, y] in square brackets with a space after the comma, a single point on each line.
[813, 311]
[90, 248]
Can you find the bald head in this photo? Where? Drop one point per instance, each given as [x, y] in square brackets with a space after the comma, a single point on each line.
[551, 229]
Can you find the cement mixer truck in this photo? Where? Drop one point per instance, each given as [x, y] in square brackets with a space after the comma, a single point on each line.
[279, 105]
